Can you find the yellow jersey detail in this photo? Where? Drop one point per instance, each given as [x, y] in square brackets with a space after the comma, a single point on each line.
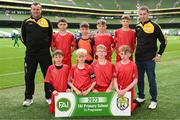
[41, 22]
[148, 27]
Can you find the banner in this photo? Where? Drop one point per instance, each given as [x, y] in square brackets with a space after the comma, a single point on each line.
[94, 104]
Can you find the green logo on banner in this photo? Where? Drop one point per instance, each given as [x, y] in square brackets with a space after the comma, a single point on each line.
[122, 103]
[63, 104]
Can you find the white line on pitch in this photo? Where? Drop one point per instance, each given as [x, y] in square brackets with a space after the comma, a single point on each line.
[10, 58]
[14, 73]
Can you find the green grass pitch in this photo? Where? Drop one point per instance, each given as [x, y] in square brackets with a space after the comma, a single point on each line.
[12, 87]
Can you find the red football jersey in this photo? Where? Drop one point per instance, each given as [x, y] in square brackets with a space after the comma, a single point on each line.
[125, 73]
[104, 74]
[64, 43]
[58, 78]
[122, 37]
[81, 77]
[107, 40]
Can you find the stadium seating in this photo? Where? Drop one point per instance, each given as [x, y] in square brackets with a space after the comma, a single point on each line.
[4, 17]
[114, 4]
[79, 19]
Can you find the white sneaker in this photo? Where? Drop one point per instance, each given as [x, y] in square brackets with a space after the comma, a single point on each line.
[140, 100]
[27, 102]
[48, 101]
[152, 105]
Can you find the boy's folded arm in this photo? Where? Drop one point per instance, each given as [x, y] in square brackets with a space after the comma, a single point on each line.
[73, 87]
[130, 86]
[116, 84]
[92, 86]
[110, 87]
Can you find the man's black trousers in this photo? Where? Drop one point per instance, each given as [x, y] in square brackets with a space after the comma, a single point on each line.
[30, 67]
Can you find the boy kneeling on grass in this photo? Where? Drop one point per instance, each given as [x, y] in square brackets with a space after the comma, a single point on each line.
[81, 77]
[56, 78]
[126, 74]
[104, 71]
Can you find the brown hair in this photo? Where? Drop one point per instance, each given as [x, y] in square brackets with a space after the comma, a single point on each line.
[125, 48]
[126, 17]
[57, 52]
[62, 20]
[36, 3]
[84, 25]
[144, 8]
[101, 21]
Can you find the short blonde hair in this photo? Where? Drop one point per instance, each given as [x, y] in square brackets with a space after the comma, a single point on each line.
[124, 48]
[101, 22]
[125, 17]
[101, 47]
[81, 52]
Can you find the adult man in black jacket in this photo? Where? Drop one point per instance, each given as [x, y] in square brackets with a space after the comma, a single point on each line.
[147, 54]
[36, 34]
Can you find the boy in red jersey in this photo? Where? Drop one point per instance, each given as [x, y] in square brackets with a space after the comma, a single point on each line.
[104, 70]
[125, 36]
[126, 74]
[56, 77]
[86, 42]
[81, 77]
[64, 40]
[103, 37]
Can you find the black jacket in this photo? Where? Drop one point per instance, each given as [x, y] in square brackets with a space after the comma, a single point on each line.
[36, 35]
[147, 35]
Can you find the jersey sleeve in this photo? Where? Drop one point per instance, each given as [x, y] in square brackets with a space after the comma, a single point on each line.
[115, 36]
[93, 64]
[71, 74]
[23, 32]
[92, 73]
[161, 38]
[53, 44]
[48, 77]
[112, 42]
[50, 32]
[73, 44]
[134, 41]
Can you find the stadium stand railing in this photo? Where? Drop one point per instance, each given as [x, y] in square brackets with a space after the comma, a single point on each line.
[79, 10]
